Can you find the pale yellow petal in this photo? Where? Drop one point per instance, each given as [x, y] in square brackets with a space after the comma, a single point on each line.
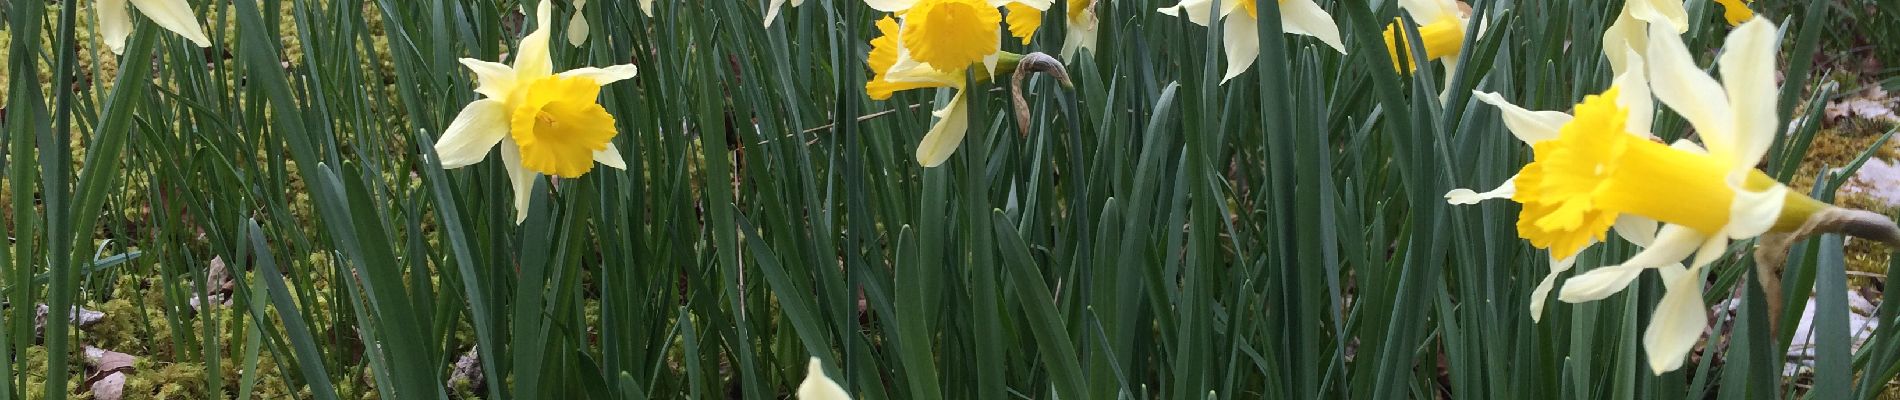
[1669, 14]
[175, 16]
[1529, 126]
[946, 135]
[771, 11]
[1598, 283]
[1626, 33]
[817, 386]
[1462, 196]
[475, 130]
[521, 179]
[1748, 73]
[1242, 44]
[1196, 11]
[1304, 17]
[115, 24]
[1540, 294]
[1633, 94]
[610, 156]
[1678, 321]
[1637, 230]
[604, 76]
[890, 6]
[531, 56]
[1689, 92]
[493, 80]
[1752, 213]
[646, 7]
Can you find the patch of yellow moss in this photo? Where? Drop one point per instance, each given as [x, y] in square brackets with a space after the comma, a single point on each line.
[1836, 147]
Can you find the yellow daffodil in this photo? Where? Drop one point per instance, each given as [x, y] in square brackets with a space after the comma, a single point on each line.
[1441, 26]
[577, 25]
[1082, 23]
[931, 46]
[1535, 127]
[771, 11]
[545, 123]
[1736, 11]
[1585, 178]
[115, 24]
[817, 386]
[1240, 32]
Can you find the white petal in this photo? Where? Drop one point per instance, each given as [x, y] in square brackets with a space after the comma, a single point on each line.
[610, 156]
[1462, 196]
[1712, 247]
[577, 25]
[1637, 230]
[1633, 94]
[1689, 146]
[1542, 292]
[771, 11]
[1529, 126]
[531, 56]
[1039, 5]
[1425, 11]
[494, 80]
[1673, 243]
[1196, 11]
[1080, 35]
[114, 24]
[1665, 13]
[1626, 33]
[1690, 92]
[646, 7]
[1304, 17]
[474, 131]
[603, 76]
[1599, 283]
[1753, 213]
[944, 137]
[1748, 72]
[890, 5]
[1678, 322]
[520, 178]
[175, 16]
[1242, 41]
[817, 386]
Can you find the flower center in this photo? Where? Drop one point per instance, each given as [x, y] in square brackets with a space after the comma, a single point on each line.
[1444, 37]
[558, 126]
[951, 34]
[1594, 171]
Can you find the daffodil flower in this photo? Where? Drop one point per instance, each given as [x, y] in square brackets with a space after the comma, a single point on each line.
[544, 122]
[1589, 175]
[1240, 33]
[174, 15]
[1630, 31]
[817, 386]
[1441, 26]
[1082, 24]
[1535, 127]
[771, 10]
[932, 46]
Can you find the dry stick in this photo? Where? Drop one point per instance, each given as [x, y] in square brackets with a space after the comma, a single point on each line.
[1771, 252]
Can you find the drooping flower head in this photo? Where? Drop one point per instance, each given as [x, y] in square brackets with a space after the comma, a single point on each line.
[115, 25]
[1240, 34]
[545, 123]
